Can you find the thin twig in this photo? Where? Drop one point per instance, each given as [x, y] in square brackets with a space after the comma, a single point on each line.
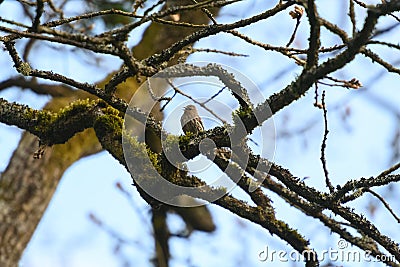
[294, 32]
[195, 101]
[384, 203]
[215, 95]
[207, 50]
[323, 146]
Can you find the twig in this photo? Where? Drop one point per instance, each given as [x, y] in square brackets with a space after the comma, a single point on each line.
[384, 203]
[352, 16]
[207, 50]
[195, 101]
[207, 12]
[316, 95]
[323, 146]
[214, 96]
[296, 14]
[388, 171]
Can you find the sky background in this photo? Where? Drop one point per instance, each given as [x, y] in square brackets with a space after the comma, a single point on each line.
[359, 145]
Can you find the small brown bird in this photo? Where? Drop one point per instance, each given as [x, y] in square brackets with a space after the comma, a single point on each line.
[190, 120]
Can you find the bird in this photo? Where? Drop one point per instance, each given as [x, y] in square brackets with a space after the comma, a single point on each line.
[191, 121]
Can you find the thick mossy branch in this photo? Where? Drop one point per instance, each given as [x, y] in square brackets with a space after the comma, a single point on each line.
[24, 117]
[138, 159]
[72, 119]
[108, 128]
[189, 144]
[51, 128]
